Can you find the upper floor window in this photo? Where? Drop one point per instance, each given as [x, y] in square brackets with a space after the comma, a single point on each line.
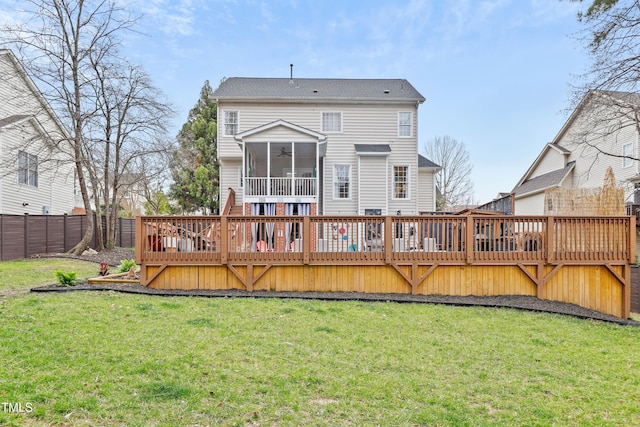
[230, 123]
[341, 181]
[332, 122]
[405, 123]
[27, 169]
[401, 182]
[627, 153]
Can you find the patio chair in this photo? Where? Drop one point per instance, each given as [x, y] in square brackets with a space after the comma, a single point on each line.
[261, 246]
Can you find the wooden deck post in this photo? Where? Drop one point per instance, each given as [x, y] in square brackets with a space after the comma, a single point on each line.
[388, 239]
[470, 244]
[549, 246]
[306, 239]
[139, 240]
[631, 242]
[224, 239]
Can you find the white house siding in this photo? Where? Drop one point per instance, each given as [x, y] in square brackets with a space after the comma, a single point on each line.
[373, 184]
[230, 178]
[53, 177]
[20, 97]
[361, 124]
[591, 165]
[530, 205]
[552, 160]
[426, 194]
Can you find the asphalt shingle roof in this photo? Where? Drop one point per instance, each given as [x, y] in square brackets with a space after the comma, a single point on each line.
[540, 182]
[12, 119]
[372, 148]
[423, 162]
[307, 89]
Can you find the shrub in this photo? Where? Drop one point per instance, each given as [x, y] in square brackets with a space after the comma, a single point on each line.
[66, 279]
[126, 265]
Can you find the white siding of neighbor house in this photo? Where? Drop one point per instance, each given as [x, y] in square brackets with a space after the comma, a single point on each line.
[591, 165]
[426, 191]
[552, 160]
[361, 124]
[55, 173]
[530, 205]
[52, 176]
[373, 184]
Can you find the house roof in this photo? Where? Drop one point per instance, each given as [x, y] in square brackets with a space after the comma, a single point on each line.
[373, 148]
[541, 182]
[239, 136]
[13, 119]
[380, 90]
[34, 89]
[423, 162]
[536, 162]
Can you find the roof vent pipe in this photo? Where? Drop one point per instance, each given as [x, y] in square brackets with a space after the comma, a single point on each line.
[291, 74]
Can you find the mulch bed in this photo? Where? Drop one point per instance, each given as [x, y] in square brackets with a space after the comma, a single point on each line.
[508, 301]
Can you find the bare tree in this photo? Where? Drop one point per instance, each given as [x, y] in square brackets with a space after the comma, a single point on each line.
[454, 180]
[116, 115]
[130, 132]
[56, 45]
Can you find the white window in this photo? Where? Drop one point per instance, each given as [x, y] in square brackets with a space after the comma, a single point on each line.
[627, 153]
[405, 123]
[401, 182]
[341, 181]
[230, 123]
[331, 122]
[27, 169]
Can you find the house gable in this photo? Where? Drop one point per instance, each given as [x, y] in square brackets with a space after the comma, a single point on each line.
[280, 131]
[29, 125]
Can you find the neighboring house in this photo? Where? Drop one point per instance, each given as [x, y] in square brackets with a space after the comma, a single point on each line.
[322, 147]
[602, 123]
[36, 176]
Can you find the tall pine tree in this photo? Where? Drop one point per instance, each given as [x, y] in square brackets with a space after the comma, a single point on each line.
[194, 165]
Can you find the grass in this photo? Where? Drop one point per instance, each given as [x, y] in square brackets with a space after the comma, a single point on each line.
[28, 273]
[103, 358]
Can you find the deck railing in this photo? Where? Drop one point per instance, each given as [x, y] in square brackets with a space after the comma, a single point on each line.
[384, 239]
[280, 186]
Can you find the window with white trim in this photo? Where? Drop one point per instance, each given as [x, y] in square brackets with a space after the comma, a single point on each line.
[401, 182]
[341, 181]
[230, 123]
[405, 123]
[332, 122]
[627, 153]
[27, 169]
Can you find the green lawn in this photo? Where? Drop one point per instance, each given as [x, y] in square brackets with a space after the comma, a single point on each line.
[26, 273]
[103, 358]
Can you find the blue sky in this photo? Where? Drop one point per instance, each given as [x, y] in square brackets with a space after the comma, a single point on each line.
[495, 73]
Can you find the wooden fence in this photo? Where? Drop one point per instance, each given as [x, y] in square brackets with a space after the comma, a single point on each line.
[22, 236]
[584, 261]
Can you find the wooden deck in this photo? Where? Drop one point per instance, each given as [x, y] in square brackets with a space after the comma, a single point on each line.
[584, 261]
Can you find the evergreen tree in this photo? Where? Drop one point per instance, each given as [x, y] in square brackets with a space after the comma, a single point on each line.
[194, 165]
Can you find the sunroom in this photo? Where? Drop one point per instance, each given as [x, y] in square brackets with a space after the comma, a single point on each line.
[281, 162]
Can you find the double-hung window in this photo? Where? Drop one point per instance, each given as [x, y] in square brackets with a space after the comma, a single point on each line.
[405, 123]
[332, 122]
[627, 155]
[27, 169]
[341, 181]
[401, 182]
[230, 123]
